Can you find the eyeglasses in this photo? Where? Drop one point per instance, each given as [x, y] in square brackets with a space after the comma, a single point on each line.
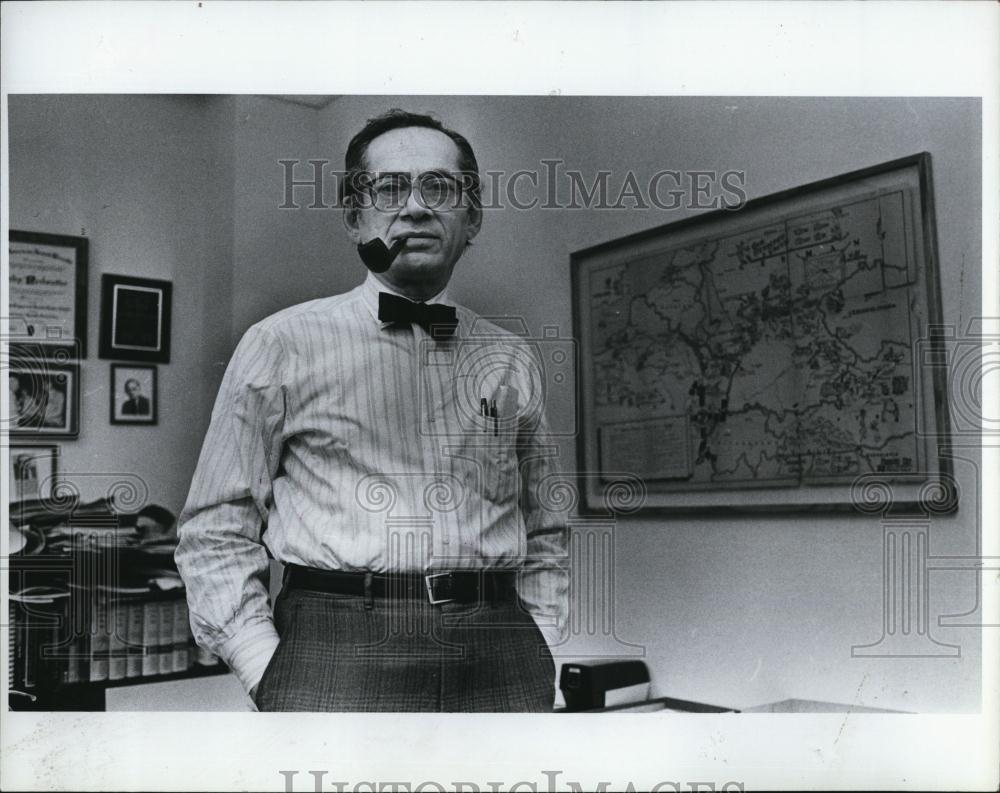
[439, 191]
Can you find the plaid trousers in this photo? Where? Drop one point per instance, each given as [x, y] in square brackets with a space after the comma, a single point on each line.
[340, 653]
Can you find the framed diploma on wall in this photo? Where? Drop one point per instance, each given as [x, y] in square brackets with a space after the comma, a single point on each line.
[776, 355]
[48, 291]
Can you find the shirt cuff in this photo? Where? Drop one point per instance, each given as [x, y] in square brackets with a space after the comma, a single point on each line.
[249, 652]
[553, 637]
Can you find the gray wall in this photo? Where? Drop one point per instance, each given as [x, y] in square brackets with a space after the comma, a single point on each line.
[148, 180]
[738, 611]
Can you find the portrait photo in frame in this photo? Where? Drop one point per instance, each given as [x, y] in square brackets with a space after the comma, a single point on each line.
[135, 319]
[134, 398]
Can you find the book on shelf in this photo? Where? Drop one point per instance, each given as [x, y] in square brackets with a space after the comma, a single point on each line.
[38, 618]
[117, 635]
[94, 602]
[133, 638]
[118, 647]
[100, 639]
[165, 643]
[11, 644]
[150, 637]
[182, 635]
[77, 669]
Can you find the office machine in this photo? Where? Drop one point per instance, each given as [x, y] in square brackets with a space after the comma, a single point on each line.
[603, 684]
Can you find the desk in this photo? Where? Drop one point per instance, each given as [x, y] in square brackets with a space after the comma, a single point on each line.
[671, 705]
[814, 706]
[657, 704]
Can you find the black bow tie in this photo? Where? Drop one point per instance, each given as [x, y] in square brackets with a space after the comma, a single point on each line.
[437, 319]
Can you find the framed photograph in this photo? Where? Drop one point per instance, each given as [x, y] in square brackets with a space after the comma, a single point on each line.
[135, 319]
[133, 394]
[773, 355]
[48, 290]
[44, 397]
[33, 471]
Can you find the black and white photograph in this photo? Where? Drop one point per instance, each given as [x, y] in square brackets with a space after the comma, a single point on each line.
[44, 398]
[648, 410]
[133, 394]
[33, 472]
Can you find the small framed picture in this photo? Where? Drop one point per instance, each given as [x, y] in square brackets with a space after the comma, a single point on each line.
[133, 394]
[44, 397]
[33, 472]
[135, 319]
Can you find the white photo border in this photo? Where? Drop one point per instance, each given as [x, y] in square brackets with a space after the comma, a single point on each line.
[766, 48]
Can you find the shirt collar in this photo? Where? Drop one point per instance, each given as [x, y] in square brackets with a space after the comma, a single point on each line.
[372, 286]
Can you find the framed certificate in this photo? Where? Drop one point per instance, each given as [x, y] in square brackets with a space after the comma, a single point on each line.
[48, 290]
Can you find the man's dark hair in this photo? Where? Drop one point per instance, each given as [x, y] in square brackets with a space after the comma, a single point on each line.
[354, 158]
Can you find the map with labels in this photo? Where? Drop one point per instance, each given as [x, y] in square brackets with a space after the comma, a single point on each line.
[775, 356]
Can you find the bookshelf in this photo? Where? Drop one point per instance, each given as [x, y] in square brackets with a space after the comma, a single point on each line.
[92, 696]
[88, 613]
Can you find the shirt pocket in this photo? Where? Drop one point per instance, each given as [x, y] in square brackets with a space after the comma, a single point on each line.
[494, 458]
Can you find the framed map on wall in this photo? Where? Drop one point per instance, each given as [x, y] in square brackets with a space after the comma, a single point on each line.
[773, 356]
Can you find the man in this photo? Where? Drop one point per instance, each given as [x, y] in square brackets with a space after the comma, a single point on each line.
[136, 404]
[18, 399]
[36, 402]
[53, 396]
[422, 571]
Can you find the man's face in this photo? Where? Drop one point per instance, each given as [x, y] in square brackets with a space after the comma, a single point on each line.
[436, 237]
[132, 388]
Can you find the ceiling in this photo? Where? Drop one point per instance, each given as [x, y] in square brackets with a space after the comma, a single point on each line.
[316, 101]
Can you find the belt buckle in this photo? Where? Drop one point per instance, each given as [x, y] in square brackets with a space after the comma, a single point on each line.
[430, 589]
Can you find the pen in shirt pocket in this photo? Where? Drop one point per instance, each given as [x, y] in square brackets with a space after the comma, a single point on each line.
[505, 400]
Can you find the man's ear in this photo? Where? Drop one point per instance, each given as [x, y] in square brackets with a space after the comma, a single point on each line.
[475, 222]
[351, 223]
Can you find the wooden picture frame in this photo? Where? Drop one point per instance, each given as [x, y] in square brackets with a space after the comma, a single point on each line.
[44, 396]
[770, 357]
[134, 396]
[33, 471]
[48, 290]
[135, 319]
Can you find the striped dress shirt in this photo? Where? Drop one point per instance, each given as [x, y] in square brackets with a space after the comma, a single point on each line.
[344, 443]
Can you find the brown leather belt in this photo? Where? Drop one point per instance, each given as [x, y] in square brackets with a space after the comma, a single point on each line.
[461, 586]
